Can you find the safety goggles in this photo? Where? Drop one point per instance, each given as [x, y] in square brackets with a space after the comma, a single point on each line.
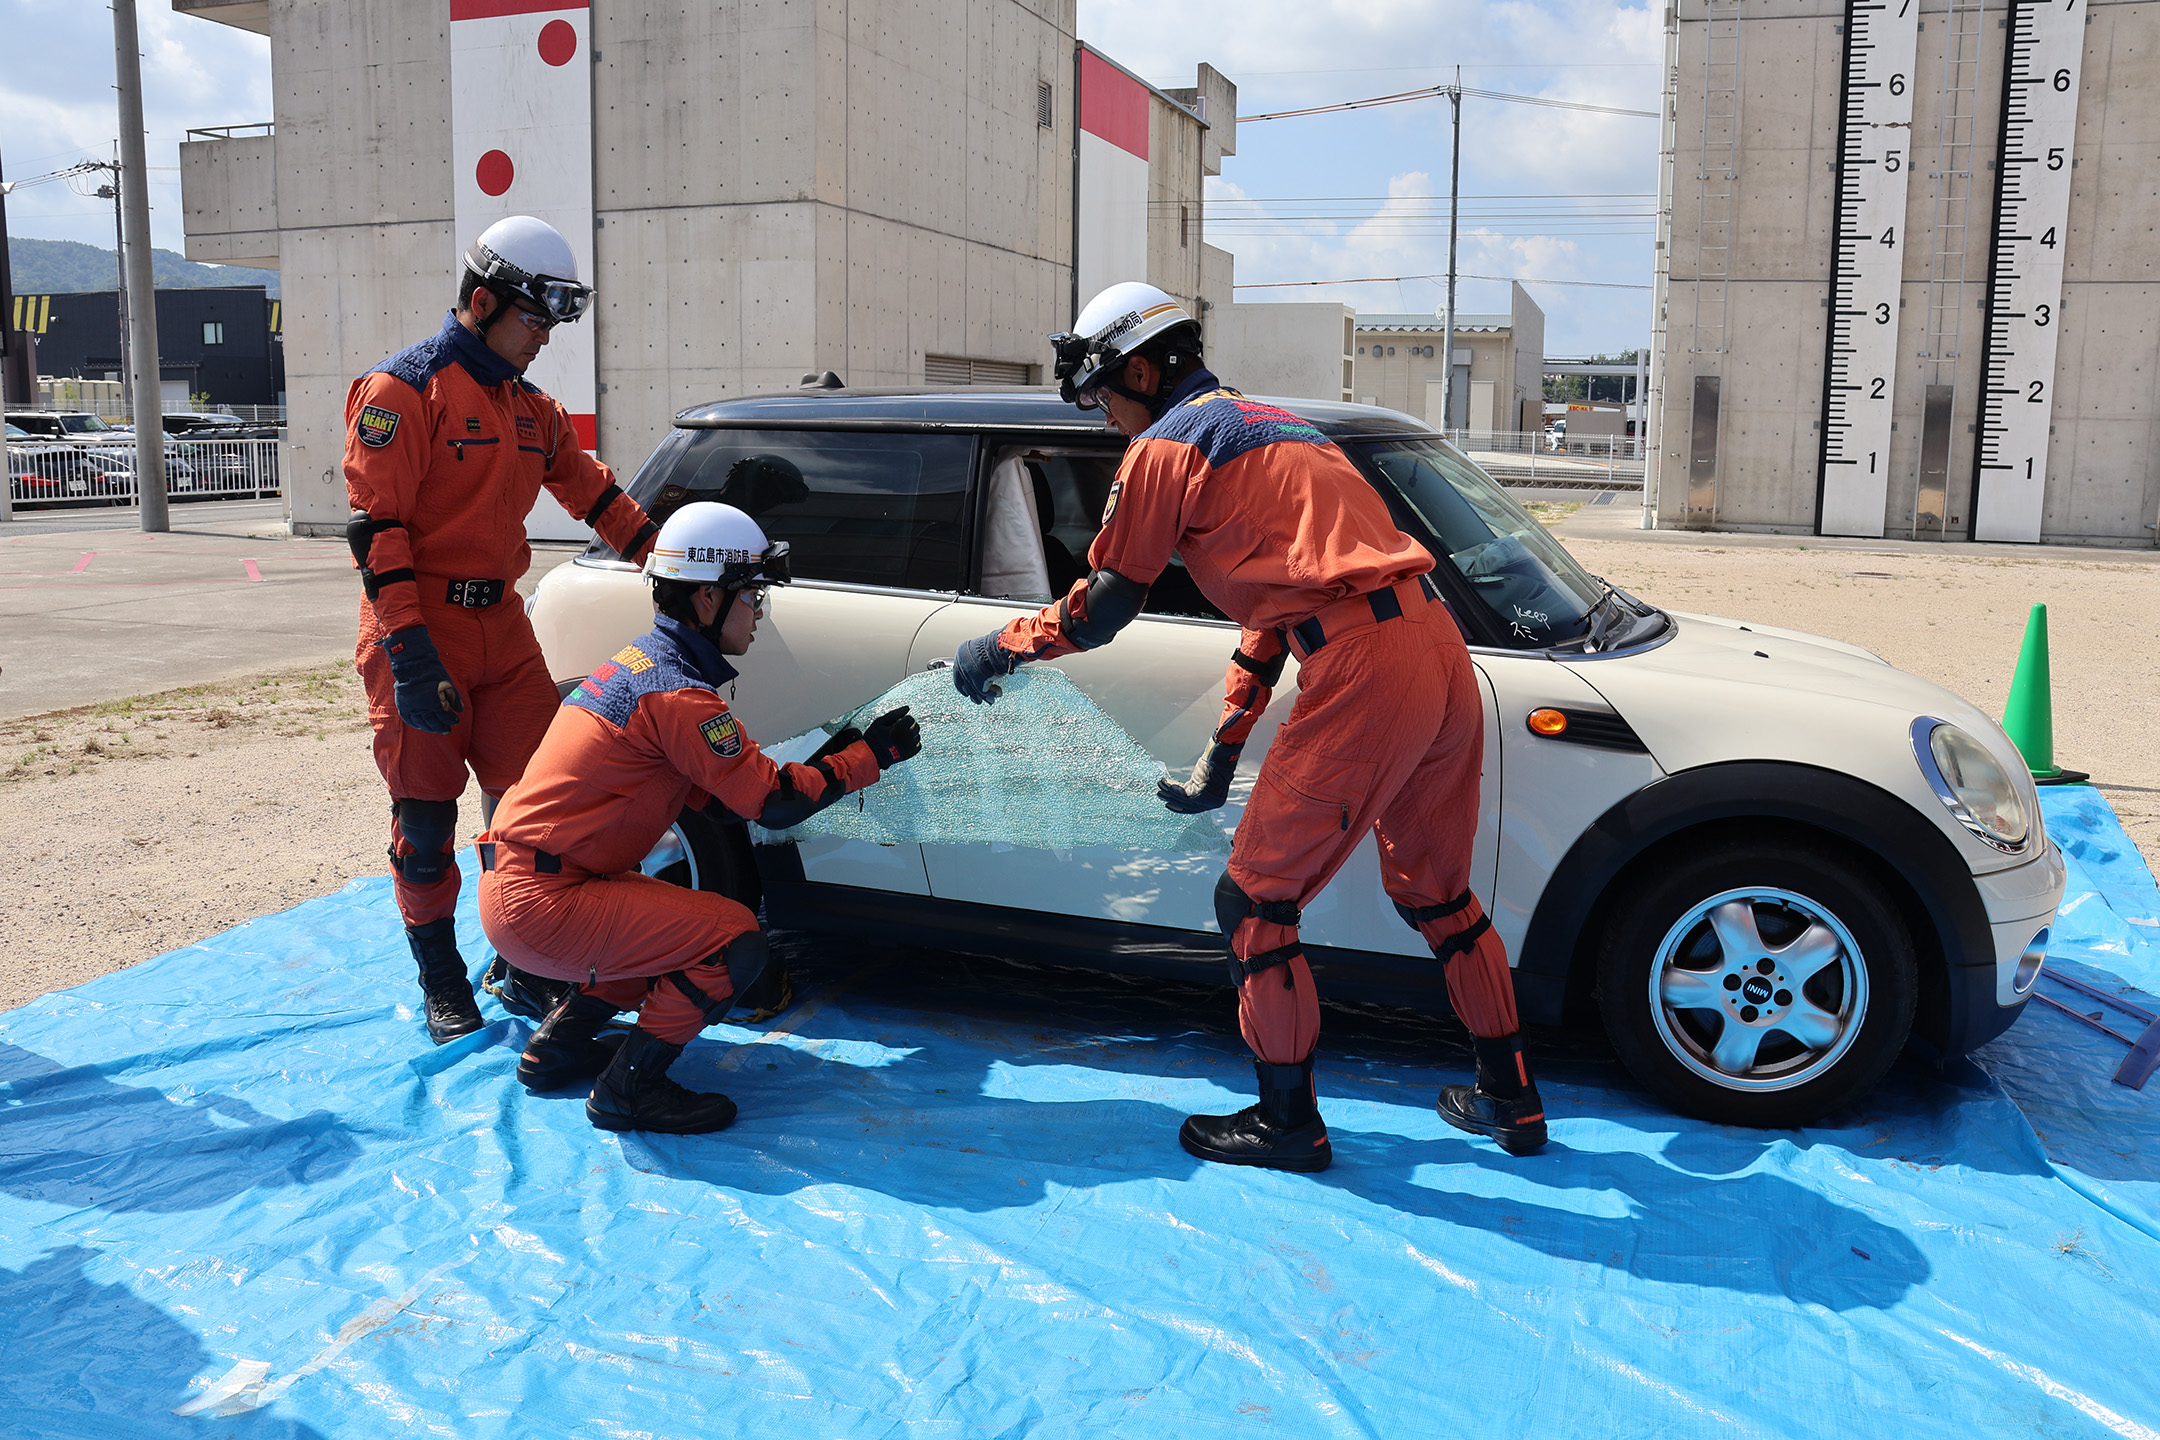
[562, 300]
[566, 300]
[770, 568]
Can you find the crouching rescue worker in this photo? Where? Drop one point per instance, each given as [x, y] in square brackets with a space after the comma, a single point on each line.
[446, 449]
[1287, 538]
[560, 892]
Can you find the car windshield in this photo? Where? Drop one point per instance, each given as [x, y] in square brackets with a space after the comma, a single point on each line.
[83, 425]
[15, 432]
[1531, 585]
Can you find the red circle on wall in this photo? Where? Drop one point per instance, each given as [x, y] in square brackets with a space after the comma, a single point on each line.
[558, 42]
[494, 172]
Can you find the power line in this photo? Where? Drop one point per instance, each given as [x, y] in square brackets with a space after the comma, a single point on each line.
[1393, 279]
[1431, 92]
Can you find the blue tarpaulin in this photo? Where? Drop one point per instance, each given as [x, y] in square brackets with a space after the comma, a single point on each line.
[241, 1195]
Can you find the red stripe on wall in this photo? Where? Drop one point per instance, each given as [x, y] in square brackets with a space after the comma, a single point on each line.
[588, 431]
[487, 9]
[1113, 105]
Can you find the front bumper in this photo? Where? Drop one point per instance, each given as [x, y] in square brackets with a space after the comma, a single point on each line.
[1984, 994]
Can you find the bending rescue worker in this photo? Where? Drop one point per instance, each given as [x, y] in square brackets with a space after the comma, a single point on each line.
[446, 448]
[647, 733]
[1285, 537]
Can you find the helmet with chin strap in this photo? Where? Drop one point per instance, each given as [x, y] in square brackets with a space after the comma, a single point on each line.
[1116, 325]
[521, 256]
[707, 543]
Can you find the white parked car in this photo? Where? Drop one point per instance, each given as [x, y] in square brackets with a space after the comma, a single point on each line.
[1763, 859]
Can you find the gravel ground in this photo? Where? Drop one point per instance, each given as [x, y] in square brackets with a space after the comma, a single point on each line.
[142, 825]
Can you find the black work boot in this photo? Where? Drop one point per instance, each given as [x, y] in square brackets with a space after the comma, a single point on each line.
[524, 993]
[449, 1008]
[1503, 1104]
[634, 1093]
[1283, 1132]
[568, 1045]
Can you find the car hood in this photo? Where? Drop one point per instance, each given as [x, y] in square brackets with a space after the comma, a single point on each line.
[1722, 690]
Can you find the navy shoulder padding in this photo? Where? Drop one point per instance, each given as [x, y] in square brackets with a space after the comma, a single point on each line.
[417, 364]
[650, 665]
[1223, 425]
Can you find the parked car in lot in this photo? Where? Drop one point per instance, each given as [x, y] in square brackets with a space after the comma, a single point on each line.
[211, 426]
[70, 425]
[1763, 859]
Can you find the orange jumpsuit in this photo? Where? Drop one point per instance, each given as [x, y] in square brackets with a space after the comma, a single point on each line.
[1284, 535]
[449, 446]
[646, 734]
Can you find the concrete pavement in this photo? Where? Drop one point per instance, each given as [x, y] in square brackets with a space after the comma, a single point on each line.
[92, 609]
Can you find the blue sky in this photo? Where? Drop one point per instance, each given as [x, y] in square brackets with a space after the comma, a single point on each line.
[1317, 198]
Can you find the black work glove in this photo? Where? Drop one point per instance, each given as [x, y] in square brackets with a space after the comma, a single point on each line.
[1209, 786]
[894, 737]
[977, 663]
[427, 698]
[842, 738]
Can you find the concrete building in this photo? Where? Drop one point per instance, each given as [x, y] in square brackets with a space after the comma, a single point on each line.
[221, 343]
[1998, 381]
[776, 190]
[1499, 382]
[1290, 351]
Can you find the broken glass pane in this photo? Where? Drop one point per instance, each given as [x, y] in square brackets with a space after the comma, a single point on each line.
[1043, 768]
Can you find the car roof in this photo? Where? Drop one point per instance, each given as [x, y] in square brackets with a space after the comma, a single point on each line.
[1033, 409]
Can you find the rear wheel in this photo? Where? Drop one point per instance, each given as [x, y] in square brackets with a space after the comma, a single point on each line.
[1758, 983]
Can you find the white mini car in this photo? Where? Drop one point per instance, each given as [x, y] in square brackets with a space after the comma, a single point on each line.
[1765, 860]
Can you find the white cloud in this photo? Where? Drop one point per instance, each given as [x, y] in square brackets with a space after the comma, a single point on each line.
[195, 73]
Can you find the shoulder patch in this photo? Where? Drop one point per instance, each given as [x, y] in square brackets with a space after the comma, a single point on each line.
[1117, 488]
[723, 735]
[636, 661]
[376, 425]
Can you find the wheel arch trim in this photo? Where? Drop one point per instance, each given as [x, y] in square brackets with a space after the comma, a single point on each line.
[1935, 885]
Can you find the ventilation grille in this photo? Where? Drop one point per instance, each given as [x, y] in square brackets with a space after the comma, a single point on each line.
[958, 370]
[1045, 100]
[1601, 729]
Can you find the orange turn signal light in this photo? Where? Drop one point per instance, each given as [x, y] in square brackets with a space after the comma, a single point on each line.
[1548, 723]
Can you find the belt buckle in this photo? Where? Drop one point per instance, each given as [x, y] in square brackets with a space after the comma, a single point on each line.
[474, 594]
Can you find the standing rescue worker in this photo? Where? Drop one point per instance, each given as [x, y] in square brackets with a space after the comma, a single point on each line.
[446, 449]
[1283, 534]
[560, 892]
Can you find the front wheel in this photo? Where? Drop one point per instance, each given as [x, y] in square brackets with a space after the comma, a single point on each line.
[700, 853]
[1758, 983]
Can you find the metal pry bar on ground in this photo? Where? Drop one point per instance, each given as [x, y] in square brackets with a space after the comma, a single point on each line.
[2144, 1056]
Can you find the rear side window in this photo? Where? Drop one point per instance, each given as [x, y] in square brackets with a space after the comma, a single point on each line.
[863, 508]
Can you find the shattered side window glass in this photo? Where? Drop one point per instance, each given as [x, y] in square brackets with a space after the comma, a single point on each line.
[1043, 769]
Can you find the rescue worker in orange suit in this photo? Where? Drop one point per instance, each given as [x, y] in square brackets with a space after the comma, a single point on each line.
[446, 449]
[647, 733]
[1284, 535]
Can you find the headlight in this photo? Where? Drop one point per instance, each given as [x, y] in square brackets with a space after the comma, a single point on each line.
[1967, 779]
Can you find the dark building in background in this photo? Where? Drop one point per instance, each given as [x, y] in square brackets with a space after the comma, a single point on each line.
[226, 344]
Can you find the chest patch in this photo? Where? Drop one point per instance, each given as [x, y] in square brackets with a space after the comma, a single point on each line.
[472, 424]
[527, 428]
[1117, 488]
[723, 735]
[376, 425]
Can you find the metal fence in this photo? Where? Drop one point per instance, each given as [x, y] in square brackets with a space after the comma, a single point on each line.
[60, 474]
[1540, 458]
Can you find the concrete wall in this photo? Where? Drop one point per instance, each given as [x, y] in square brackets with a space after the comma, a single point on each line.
[1403, 380]
[229, 193]
[1523, 407]
[2104, 482]
[1297, 351]
[780, 188]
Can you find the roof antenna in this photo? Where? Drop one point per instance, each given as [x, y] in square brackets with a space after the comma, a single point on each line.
[823, 380]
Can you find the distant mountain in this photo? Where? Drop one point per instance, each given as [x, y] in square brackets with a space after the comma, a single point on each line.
[42, 267]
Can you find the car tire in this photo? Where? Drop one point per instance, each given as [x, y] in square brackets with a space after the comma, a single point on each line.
[1760, 932]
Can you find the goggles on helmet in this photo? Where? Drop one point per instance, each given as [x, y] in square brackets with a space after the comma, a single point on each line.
[770, 568]
[1082, 361]
[563, 300]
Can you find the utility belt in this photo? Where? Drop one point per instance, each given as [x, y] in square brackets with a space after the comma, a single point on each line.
[464, 594]
[1358, 612]
[514, 859]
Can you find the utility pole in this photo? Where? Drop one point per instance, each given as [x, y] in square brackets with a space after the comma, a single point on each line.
[7, 343]
[1447, 333]
[149, 395]
[112, 192]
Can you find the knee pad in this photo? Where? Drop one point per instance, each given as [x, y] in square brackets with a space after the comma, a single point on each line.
[1233, 907]
[746, 957]
[430, 828]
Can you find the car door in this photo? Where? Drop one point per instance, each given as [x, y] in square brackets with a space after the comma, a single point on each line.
[1161, 681]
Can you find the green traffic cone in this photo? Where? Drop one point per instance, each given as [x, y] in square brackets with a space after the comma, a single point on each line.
[2028, 718]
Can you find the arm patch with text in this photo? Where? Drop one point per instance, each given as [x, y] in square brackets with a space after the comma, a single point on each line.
[376, 425]
[723, 735]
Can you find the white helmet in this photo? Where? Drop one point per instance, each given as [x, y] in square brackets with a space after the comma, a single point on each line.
[1112, 326]
[521, 255]
[707, 543]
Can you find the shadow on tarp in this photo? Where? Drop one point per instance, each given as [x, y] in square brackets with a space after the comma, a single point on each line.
[74, 1137]
[925, 1126]
[81, 1356]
